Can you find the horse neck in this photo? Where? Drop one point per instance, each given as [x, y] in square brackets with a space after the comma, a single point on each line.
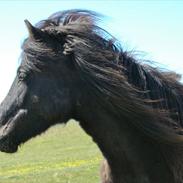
[132, 157]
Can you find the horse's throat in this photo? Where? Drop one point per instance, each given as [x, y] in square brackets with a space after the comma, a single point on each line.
[132, 157]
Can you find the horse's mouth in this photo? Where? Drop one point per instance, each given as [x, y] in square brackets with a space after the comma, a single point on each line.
[7, 146]
[8, 142]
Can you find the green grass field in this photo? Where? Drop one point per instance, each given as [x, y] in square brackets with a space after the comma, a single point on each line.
[61, 155]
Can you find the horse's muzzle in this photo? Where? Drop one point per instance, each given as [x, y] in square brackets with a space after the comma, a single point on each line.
[8, 130]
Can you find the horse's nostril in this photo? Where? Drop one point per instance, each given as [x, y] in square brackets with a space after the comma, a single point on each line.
[3, 138]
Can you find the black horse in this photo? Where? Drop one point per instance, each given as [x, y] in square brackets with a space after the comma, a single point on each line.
[72, 68]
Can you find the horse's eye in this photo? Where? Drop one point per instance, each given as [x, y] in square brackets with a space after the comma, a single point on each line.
[21, 76]
[21, 73]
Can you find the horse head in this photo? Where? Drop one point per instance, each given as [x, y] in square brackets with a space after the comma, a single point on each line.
[43, 92]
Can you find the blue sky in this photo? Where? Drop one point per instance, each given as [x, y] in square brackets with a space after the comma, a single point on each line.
[154, 27]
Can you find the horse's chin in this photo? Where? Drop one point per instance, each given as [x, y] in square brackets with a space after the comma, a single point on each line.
[7, 138]
[7, 146]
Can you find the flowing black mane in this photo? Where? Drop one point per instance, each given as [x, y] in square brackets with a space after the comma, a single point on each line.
[115, 79]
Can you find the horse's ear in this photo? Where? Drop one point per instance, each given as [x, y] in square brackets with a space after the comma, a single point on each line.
[34, 32]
